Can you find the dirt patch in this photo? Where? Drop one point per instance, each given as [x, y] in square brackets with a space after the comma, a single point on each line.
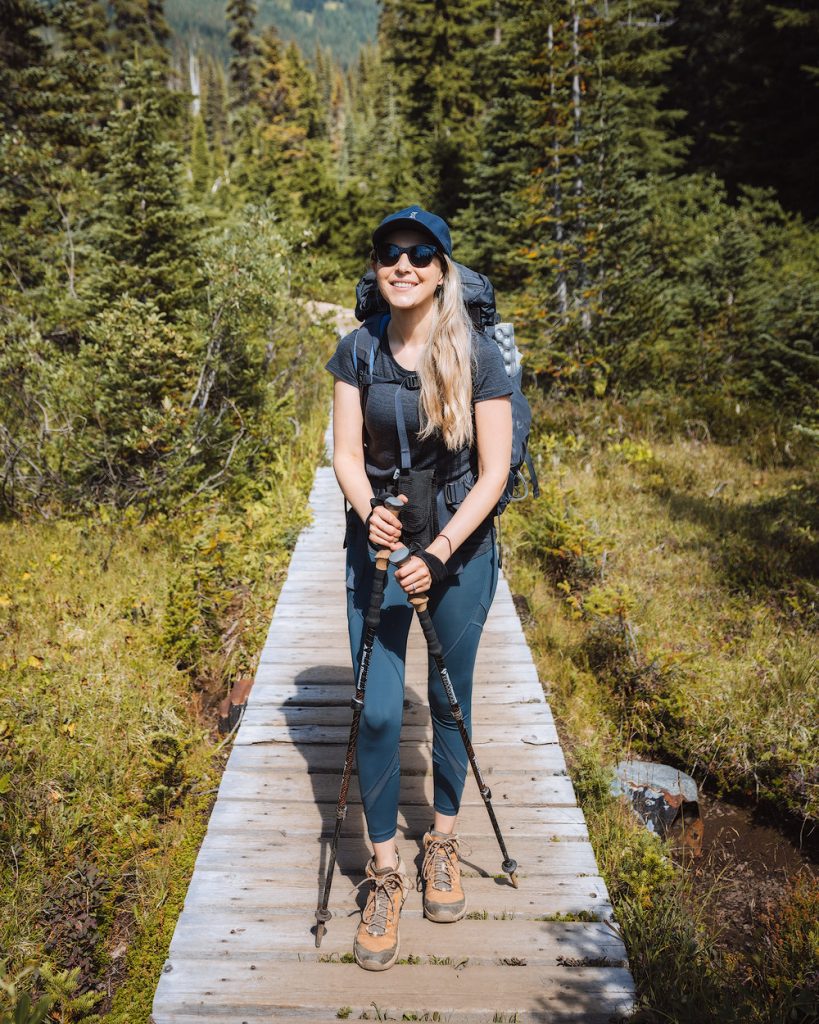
[744, 869]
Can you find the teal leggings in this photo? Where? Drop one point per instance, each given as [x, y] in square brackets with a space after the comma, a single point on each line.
[459, 607]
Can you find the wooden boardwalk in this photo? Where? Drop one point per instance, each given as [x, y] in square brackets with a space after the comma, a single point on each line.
[243, 949]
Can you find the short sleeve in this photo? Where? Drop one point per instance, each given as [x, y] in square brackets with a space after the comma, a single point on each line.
[491, 379]
[341, 365]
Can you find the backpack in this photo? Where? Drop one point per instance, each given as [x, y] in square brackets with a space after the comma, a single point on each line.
[479, 297]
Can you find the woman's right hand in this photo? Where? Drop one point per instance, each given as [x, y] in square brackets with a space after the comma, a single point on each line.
[385, 528]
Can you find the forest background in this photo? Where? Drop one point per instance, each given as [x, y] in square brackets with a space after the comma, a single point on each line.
[638, 180]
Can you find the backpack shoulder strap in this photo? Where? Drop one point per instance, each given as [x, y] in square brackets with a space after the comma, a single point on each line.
[365, 345]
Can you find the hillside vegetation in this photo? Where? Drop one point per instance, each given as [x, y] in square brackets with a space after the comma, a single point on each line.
[342, 26]
[644, 207]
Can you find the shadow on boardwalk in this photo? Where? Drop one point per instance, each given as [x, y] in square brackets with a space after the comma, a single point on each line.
[318, 689]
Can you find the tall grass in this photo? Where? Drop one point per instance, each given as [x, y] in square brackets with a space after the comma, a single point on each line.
[117, 637]
[671, 594]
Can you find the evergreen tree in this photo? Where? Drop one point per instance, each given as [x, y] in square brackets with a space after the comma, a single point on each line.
[145, 232]
[51, 102]
[139, 30]
[201, 162]
[492, 229]
[82, 45]
[22, 53]
[574, 122]
[83, 27]
[378, 163]
[214, 110]
[433, 46]
[241, 16]
[744, 78]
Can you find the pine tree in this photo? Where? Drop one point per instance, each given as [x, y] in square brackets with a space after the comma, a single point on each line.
[201, 162]
[22, 51]
[83, 27]
[433, 47]
[241, 16]
[378, 155]
[139, 30]
[491, 229]
[744, 78]
[214, 109]
[145, 232]
[51, 101]
[575, 123]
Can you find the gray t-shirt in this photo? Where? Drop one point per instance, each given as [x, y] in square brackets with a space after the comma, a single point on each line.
[382, 455]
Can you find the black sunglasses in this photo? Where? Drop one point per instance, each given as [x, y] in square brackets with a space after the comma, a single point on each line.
[388, 254]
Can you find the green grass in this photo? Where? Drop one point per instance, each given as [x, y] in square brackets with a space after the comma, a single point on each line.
[687, 578]
[117, 638]
[671, 602]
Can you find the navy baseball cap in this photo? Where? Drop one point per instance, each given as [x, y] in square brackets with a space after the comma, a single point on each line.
[419, 219]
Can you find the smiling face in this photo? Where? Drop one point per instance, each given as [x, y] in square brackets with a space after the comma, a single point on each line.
[403, 285]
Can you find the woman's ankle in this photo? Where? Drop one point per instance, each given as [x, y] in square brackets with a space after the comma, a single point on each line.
[385, 855]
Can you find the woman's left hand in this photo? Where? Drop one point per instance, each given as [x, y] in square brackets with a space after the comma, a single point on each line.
[414, 576]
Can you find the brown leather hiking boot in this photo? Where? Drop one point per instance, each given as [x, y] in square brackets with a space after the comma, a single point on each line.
[376, 941]
[444, 898]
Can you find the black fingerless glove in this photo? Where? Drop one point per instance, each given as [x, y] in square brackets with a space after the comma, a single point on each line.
[374, 504]
[437, 570]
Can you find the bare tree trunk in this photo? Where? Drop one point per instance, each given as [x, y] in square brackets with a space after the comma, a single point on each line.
[70, 266]
[580, 297]
[560, 290]
[193, 75]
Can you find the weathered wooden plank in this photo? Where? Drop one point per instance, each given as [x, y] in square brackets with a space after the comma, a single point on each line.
[484, 716]
[541, 993]
[218, 934]
[536, 734]
[480, 857]
[338, 670]
[335, 638]
[500, 616]
[268, 783]
[537, 896]
[241, 816]
[310, 694]
[280, 653]
[415, 760]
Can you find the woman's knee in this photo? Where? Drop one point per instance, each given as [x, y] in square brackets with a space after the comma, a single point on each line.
[380, 718]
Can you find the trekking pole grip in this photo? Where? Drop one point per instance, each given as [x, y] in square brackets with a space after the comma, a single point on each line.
[396, 506]
[418, 601]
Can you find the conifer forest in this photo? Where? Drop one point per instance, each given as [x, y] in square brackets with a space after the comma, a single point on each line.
[183, 186]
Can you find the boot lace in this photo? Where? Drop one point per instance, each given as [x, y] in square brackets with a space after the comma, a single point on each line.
[380, 908]
[438, 866]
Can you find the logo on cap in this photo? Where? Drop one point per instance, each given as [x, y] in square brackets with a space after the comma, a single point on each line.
[413, 215]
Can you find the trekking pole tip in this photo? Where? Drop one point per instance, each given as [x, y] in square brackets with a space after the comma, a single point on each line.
[322, 915]
[511, 868]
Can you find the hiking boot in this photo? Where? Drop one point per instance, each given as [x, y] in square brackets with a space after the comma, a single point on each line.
[376, 941]
[444, 898]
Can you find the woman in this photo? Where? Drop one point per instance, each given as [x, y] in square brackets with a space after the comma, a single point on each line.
[434, 425]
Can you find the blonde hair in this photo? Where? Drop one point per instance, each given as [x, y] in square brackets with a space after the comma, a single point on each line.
[445, 366]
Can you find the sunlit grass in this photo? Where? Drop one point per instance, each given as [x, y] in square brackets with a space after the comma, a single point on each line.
[672, 605]
[108, 753]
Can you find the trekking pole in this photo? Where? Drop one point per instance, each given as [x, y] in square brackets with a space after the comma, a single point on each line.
[420, 603]
[323, 914]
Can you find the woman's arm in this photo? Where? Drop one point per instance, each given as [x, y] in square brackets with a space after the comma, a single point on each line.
[493, 429]
[348, 465]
